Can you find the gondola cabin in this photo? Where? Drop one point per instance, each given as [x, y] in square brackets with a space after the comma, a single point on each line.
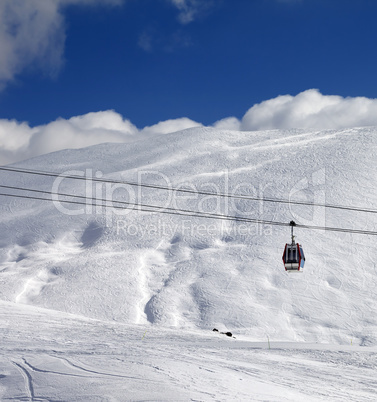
[293, 257]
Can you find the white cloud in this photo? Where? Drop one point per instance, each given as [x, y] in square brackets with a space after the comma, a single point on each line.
[81, 131]
[32, 33]
[311, 109]
[19, 141]
[191, 9]
[229, 123]
[145, 41]
[170, 126]
[14, 140]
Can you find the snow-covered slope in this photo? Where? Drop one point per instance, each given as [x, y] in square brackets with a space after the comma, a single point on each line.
[190, 273]
[69, 358]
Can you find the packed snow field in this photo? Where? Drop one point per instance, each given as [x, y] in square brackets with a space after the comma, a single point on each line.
[110, 304]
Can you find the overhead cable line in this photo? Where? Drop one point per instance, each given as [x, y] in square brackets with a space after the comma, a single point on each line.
[182, 190]
[127, 205]
[161, 210]
[171, 211]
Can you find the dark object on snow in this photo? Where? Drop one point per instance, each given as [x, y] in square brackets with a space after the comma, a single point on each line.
[223, 333]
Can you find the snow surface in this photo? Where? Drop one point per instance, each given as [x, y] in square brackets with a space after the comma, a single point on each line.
[104, 306]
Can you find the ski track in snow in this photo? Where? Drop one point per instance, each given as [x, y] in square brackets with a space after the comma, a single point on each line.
[29, 388]
[109, 361]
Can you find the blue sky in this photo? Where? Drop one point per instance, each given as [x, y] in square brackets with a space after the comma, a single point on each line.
[76, 73]
[142, 59]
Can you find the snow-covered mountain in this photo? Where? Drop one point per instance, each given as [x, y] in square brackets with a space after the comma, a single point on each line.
[117, 271]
